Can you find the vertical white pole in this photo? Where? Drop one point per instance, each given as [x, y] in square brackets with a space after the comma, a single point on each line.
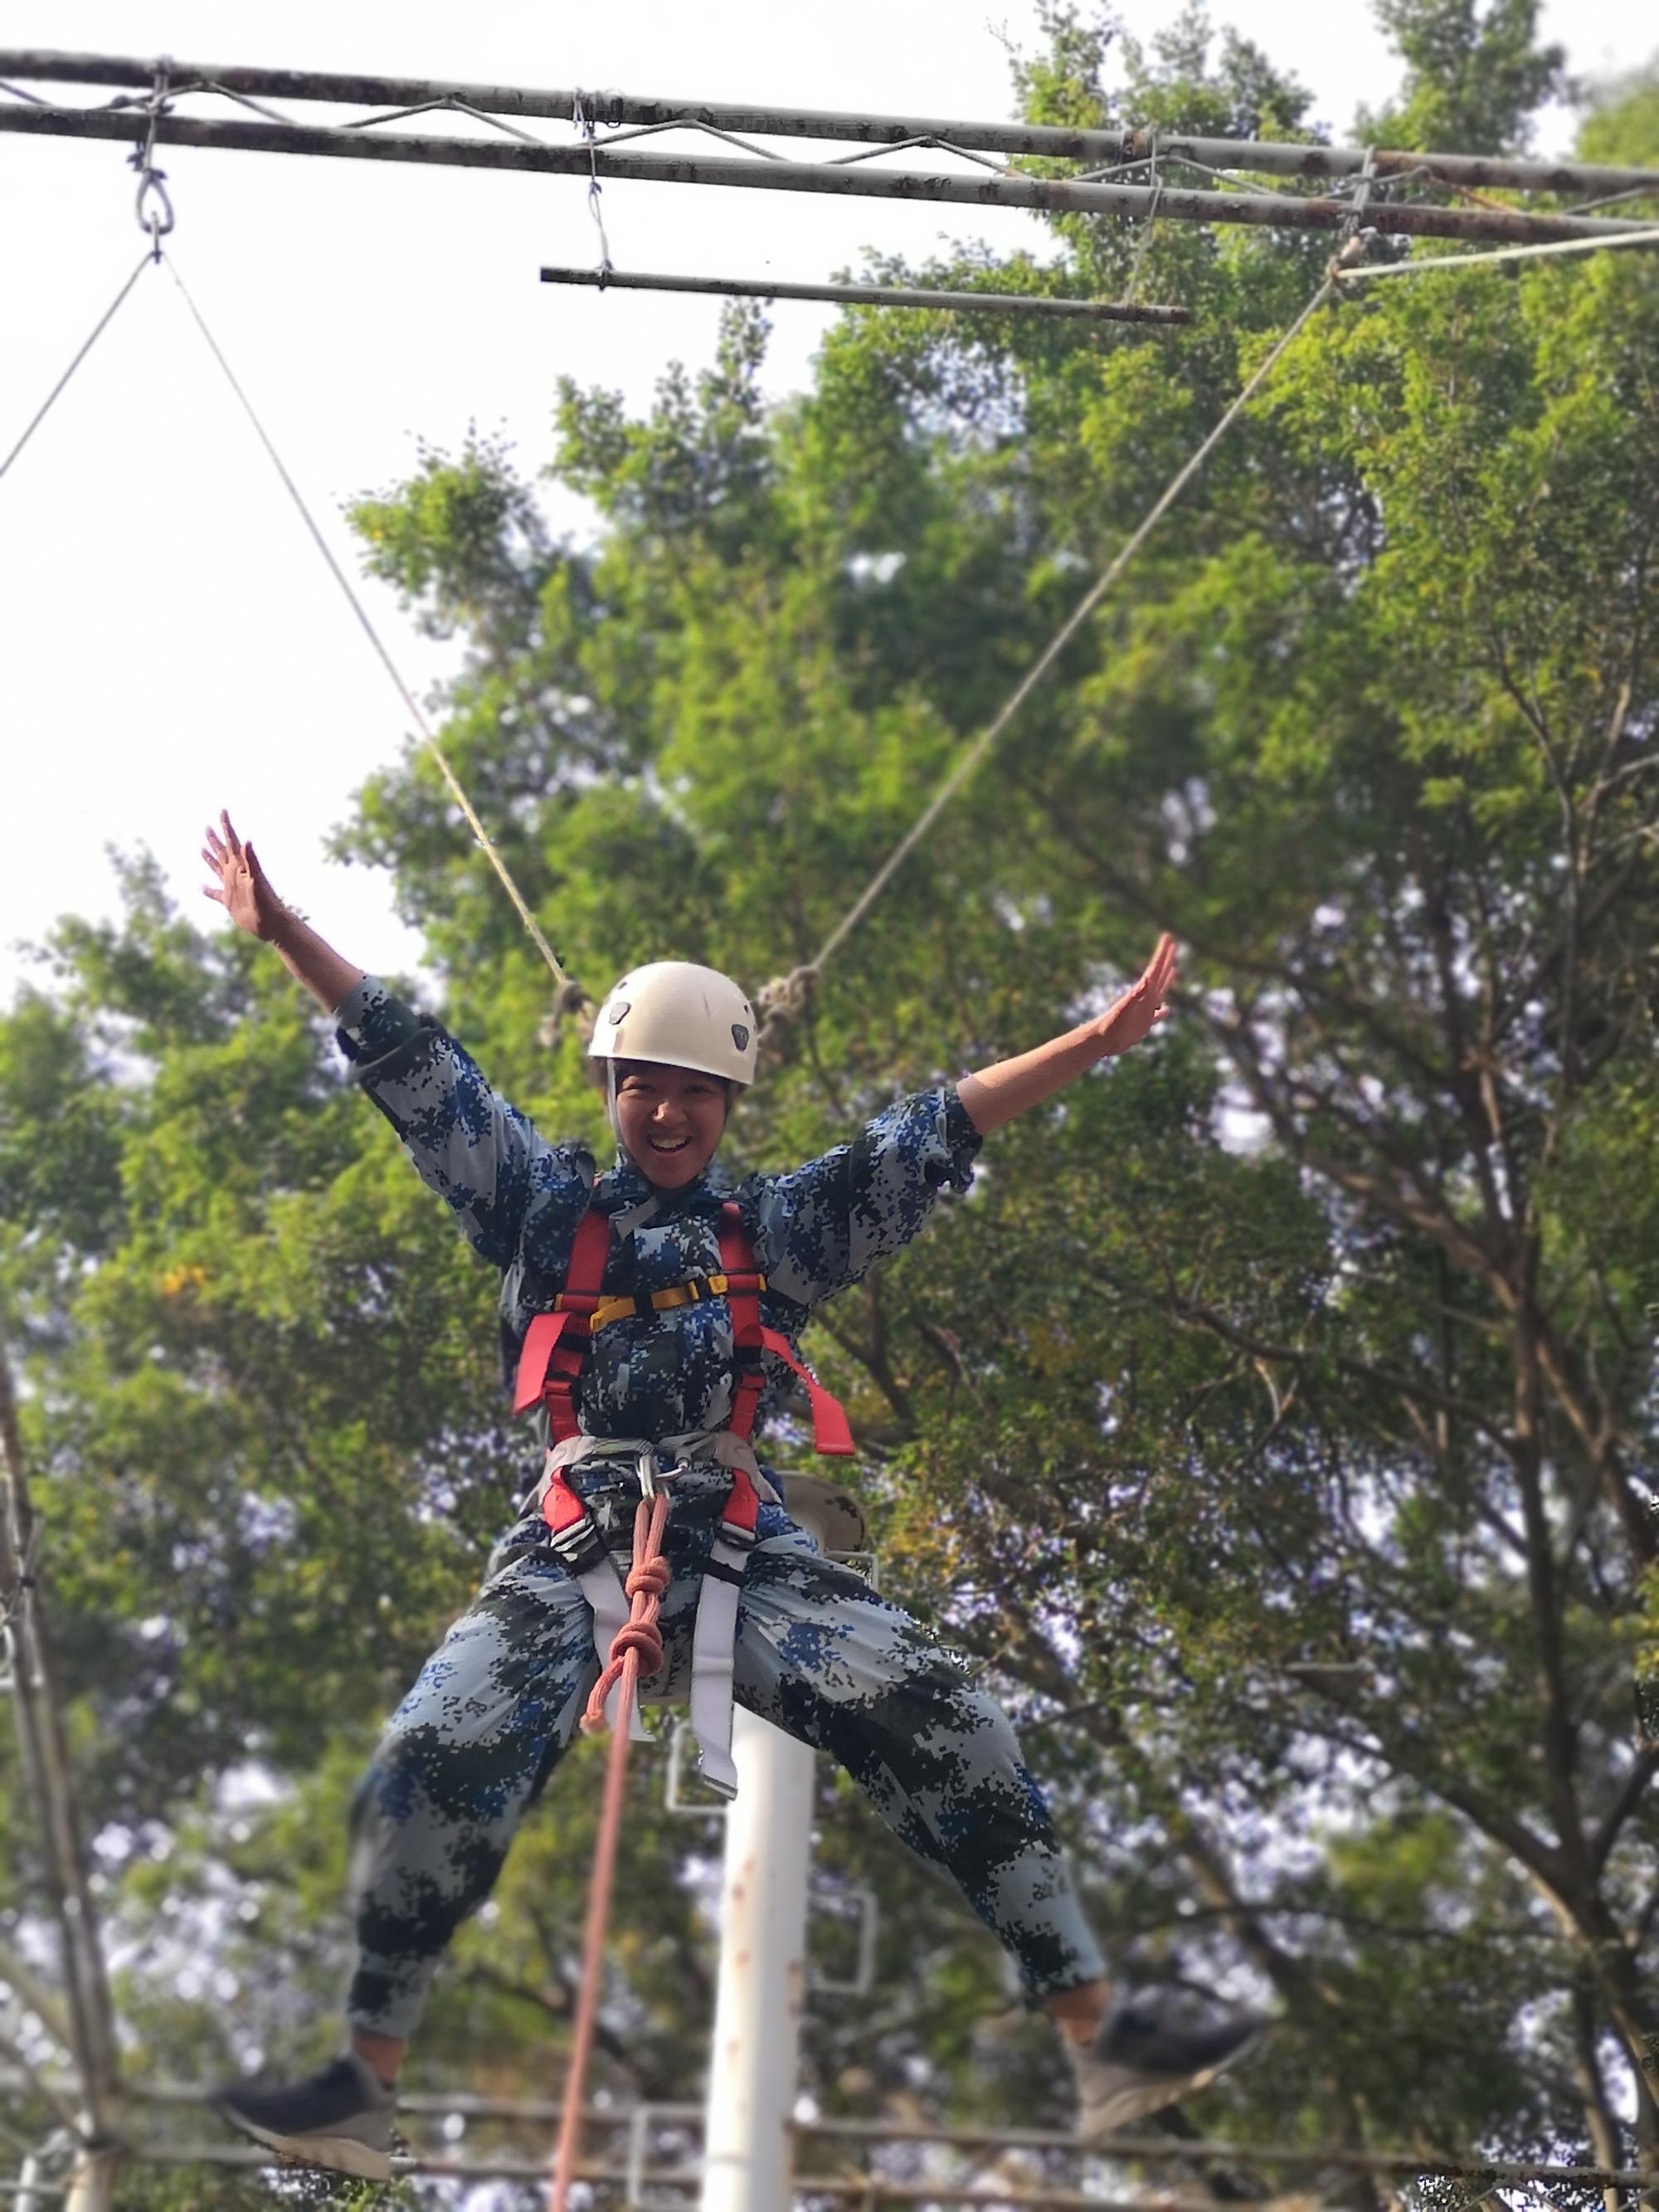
[754, 2062]
[755, 2066]
[92, 2184]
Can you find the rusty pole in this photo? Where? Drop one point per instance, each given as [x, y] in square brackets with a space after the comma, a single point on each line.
[618, 109]
[983, 189]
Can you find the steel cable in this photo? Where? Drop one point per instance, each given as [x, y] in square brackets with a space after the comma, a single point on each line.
[58, 389]
[451, 780]
[970, 760]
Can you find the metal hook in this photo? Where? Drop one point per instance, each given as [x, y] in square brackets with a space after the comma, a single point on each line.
[152, 181]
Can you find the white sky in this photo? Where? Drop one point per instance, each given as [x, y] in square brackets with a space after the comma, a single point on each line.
[169, 640]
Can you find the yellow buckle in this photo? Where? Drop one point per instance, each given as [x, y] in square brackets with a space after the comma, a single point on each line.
[681, 1294]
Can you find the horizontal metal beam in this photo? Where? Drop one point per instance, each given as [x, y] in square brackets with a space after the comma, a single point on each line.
[859, 2190]
[1153, 2150]
[1055, 196]
[1054, 142]
[873, 295]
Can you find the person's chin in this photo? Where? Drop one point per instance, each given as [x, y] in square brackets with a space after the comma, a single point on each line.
[671, 1170]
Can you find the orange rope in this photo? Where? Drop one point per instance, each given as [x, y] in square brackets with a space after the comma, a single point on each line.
[637, 1648]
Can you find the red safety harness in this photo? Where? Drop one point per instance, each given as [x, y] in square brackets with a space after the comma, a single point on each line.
[550, 1367]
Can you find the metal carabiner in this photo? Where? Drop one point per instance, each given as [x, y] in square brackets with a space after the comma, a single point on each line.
[152, 186]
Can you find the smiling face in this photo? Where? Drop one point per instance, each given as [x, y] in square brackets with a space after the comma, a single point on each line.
[670, 1120]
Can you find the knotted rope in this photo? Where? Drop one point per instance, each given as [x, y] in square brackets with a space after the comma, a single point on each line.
[636, 1649]
[640, 1637]
[572, 1008]
[782, 1004]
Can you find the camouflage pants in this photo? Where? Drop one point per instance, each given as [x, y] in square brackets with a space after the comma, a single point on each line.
[817, 1653]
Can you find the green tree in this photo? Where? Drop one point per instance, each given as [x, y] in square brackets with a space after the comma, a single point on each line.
[1276, 1421]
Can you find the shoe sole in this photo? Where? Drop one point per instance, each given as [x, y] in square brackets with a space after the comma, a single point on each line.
[335, 2153]
[1136, 2104]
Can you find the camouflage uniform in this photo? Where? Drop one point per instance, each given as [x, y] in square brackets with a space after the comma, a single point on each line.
[817, 1652]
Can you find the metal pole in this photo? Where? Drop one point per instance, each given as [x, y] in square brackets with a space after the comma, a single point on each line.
[873, 295]
[1150, 2148]
[754, 2061]
[26, 1646]
[1266, 157]
[92, 2181]
[1058, 195]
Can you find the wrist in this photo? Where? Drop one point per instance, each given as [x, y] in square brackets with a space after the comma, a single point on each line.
[284, 928]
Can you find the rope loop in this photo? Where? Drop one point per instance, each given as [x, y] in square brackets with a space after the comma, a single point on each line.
[1146, 238]
[782, 1005]
[584, 113]
[637, 1648]
[572, 1008]
[1356, 236]
[650, 1578]
[644, 1641]
[787, 997]
[154, 208]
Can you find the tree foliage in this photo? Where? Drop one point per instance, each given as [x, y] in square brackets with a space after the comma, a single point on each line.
[1277, 1420]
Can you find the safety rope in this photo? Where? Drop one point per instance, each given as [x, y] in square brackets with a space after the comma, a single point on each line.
[636, 1649]
[58, 389]
[452, 781]
[970, 760]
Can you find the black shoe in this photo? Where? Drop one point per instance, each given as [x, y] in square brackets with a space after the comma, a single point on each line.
[340, 2119]
[1139, 2063]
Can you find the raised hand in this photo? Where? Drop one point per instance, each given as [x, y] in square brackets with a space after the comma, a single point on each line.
[242, 887]
[1129, 1018]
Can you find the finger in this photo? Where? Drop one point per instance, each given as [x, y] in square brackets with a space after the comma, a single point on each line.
[217, 853]
[231, 838]
[208, 891]
[255, 867]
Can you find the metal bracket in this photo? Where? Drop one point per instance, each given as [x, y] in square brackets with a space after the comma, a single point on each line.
[863, 1978]
[639, 2148]
[682, 1747]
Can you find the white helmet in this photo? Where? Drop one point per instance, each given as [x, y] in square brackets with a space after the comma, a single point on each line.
[681, 1016]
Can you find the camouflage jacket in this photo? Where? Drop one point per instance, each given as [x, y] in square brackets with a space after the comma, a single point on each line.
[518, 1198]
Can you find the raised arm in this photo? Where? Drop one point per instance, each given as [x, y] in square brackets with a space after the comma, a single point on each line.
[484, 1157]
[244, 890]
[995, 1094]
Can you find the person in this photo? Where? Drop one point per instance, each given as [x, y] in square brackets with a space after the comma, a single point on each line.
[814, 1649]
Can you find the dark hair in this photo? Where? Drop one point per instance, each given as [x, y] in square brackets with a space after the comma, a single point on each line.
[624, 1067]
